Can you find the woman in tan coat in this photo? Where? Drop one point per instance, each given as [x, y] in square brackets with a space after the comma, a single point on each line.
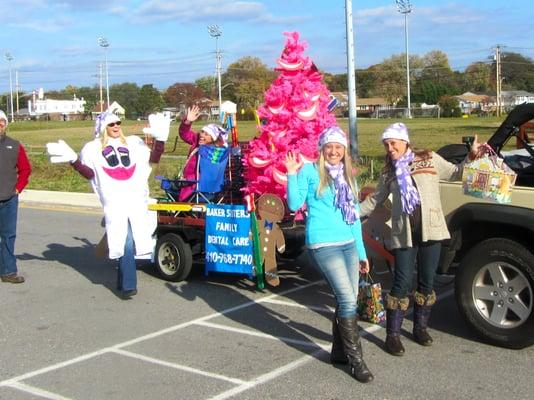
[417, 227]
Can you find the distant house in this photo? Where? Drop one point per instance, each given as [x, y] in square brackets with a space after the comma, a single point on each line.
[471, 102]
[65, 110]
[365, 106]
[512, 98]
[114, 107]
[368, 106]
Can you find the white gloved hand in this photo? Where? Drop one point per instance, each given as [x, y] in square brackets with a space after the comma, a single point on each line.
[159, 125]
[60, 152]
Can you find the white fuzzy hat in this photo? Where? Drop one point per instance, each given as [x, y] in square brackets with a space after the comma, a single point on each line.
[397, 131]
[216, 131]
[4, 117]
[334, 134]
[103, 120]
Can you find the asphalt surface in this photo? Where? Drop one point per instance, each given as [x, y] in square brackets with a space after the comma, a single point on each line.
[66, 334]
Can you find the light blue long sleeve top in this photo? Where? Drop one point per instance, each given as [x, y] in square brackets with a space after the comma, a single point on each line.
[324, 223]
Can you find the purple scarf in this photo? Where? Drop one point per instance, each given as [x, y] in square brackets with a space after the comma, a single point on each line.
[344, 198]
[409, 194]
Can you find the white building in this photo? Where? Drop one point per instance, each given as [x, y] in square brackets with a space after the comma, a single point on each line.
[40, 106]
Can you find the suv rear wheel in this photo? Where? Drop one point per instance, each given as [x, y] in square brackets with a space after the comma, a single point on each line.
[495, 292]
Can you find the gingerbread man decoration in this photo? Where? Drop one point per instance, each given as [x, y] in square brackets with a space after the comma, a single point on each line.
[270, 210]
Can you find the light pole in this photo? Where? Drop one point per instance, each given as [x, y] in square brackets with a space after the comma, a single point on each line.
[9, 58]
[351, 81]
[404, 7]
[103, 42]
[215, 32]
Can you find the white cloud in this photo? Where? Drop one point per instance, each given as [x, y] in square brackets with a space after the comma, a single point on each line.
[158, 10]
[45, 26]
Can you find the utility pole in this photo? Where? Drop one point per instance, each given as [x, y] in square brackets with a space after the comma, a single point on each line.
[404, 7]
[498, 78]
[351, 82]
[17, 89]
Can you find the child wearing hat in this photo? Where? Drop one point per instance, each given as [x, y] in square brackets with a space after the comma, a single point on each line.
[334, 237]
[211, 134]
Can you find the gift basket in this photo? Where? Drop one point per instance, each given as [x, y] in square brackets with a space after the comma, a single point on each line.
[488, 177]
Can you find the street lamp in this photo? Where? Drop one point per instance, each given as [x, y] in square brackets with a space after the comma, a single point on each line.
[103, 42]
[215, 32]
[404, 7]
[9, 58]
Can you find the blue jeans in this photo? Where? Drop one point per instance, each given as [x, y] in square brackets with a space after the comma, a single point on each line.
[8, 233]
[427, 256]
[127, 274]
[340, 267]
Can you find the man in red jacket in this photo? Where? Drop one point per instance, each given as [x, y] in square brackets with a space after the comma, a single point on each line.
[15, 170]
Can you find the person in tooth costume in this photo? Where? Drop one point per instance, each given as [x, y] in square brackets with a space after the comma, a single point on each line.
[119, 168]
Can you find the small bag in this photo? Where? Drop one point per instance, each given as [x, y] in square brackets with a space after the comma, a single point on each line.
[488, 177]
[370, 301]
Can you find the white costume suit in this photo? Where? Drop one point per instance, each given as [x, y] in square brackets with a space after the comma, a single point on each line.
[123, 192]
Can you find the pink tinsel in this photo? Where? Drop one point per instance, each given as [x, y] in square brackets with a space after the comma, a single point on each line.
[295, 111]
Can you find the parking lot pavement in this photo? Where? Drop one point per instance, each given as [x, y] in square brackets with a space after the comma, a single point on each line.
[66, 335]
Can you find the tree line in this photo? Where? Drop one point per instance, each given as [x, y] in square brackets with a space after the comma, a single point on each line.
[244, 82]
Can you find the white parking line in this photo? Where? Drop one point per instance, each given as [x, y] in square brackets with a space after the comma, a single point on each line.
[280, 371]
[298, 305]
[306, 343]
[37, 392]
[178, 366]
[13, 381]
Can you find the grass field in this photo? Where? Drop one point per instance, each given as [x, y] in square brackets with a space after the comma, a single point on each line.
[424, 133]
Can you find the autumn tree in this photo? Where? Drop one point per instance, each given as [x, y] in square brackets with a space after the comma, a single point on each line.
[208, 84]
[149, 100]
[246, 80]
[476, 78]
[184, 94]
[517, 71]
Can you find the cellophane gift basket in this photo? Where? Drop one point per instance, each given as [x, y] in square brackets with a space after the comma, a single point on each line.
[488, 177]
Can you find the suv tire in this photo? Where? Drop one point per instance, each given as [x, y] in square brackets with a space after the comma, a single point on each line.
[495, 292]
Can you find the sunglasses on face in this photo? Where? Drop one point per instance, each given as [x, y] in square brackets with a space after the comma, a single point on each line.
[118, 123]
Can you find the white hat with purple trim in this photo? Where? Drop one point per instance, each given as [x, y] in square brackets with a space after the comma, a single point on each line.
[333, 134]
[397, 131]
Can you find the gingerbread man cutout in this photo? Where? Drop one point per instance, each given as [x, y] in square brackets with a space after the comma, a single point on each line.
[270, 210]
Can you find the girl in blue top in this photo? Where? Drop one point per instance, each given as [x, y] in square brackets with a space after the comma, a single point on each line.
[333, 236]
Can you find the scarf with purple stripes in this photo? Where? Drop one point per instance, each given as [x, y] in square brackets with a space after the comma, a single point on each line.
[409, 194]
[344, 198]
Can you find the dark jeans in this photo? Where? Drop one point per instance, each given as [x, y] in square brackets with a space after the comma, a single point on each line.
[8, 233]
[426, 254]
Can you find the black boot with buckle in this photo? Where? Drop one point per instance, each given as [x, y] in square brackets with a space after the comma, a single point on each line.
[421, 314]
[395, 310]
[348, 330]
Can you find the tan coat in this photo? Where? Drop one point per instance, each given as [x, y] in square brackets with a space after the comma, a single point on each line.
[426, 175]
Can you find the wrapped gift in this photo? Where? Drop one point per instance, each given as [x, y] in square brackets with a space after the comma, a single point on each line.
[488, 177]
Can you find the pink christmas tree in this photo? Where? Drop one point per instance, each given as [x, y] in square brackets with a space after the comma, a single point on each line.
[295, 112]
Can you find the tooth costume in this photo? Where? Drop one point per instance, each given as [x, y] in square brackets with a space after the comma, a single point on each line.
[122, 188]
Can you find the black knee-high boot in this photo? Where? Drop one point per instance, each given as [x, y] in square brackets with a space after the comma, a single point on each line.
[348, 329]
[395, 310]
[421, 314]
[337, 355]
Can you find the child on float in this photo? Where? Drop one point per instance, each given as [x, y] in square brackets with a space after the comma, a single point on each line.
[211, 134]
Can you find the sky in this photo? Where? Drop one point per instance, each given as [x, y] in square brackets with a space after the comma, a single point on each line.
[55, 43]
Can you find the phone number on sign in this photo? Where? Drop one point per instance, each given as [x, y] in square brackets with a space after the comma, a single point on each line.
[213, 256]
